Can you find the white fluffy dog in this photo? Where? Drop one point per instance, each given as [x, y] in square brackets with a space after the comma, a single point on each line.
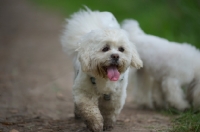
[102, 57]
[168, 67]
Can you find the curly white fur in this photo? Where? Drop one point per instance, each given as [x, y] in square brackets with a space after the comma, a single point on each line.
[98, 44]
[168, 66]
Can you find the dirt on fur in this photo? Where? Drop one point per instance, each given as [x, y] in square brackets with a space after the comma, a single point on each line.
[36, 77]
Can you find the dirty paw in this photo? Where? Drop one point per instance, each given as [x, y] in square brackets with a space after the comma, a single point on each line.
[95, 127]
[107, 127]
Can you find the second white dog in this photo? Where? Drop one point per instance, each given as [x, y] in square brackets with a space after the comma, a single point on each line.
[168, 67]
[102, 57]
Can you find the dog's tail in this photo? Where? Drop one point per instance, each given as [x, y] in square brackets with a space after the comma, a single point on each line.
[83, 22]
[132, 27]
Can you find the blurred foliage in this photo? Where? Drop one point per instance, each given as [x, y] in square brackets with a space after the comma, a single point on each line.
[176, 20]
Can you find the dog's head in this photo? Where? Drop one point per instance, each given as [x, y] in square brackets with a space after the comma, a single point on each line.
[107, 53]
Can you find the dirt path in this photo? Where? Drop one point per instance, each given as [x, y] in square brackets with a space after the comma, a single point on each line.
[36, 77]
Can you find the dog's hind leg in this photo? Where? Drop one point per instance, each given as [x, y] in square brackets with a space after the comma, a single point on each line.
[157, 96]
[142, 92]
[174, 94]
[196, 96]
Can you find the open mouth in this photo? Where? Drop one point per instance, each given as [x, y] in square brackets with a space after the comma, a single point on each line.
[112, 72]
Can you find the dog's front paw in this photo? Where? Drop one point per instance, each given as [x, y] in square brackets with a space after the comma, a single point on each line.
[108, 125]
[184, 105]
[94, 127]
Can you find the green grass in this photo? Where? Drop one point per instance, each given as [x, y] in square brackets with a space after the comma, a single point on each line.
[176, 20]
[188, 121]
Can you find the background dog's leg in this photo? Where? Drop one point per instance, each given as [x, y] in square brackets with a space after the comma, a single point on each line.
[196, 96]
[110, 110]
[174, 94]
[142, 92]
[157, 96]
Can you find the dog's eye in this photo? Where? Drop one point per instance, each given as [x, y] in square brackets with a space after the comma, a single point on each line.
[105, 49]
[121, 49]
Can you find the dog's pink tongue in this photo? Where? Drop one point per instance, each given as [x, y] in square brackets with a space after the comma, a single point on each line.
[112, 73]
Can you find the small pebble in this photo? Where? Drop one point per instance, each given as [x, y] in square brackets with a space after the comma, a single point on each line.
[13, 130]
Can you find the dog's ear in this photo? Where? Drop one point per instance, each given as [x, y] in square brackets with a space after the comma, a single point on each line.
[135, 60]
[85, 51]
[84, 58]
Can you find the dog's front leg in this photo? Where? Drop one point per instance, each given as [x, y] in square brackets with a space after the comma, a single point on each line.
[86, 103]
[110, 108]
[90, 113]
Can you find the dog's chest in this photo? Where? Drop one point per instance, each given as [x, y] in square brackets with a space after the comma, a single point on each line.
[106, 88]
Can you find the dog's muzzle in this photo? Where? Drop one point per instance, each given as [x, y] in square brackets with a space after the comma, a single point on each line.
[114, 57]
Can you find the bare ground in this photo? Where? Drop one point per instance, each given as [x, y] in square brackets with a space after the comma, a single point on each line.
[36, 77]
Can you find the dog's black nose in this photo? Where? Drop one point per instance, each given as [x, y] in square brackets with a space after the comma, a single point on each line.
[115, 56]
